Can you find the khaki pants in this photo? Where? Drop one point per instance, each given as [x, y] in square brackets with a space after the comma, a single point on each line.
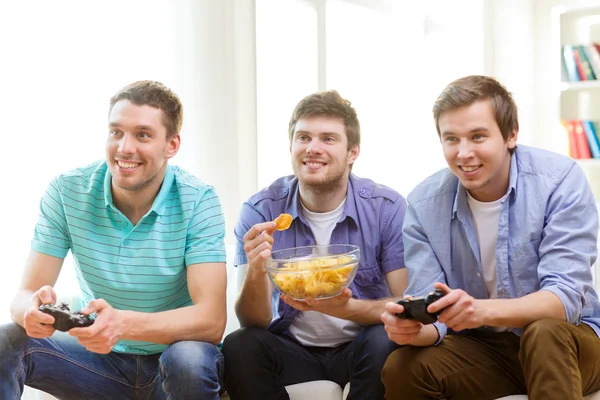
[551, 360]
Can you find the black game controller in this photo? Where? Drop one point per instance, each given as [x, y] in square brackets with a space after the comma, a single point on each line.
[416, 308]
[64, 318]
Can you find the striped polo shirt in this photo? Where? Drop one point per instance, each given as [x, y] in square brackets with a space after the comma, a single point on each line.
[139, 268]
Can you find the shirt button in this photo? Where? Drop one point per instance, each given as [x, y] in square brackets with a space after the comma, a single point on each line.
[478, 274]
[126, 243]
[375, 279]
[362, 191]
[285, 191]
[306, 242]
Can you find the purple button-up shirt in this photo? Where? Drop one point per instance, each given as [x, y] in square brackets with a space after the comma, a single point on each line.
[372, 220]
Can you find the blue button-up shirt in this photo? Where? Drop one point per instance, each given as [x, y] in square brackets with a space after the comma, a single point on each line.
[547, 233]
[372, 220]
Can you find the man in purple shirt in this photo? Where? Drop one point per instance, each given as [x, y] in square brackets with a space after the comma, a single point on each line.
[509, 234]
[282, 341]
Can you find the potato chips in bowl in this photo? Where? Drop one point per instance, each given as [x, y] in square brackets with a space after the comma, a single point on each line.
[319, 272]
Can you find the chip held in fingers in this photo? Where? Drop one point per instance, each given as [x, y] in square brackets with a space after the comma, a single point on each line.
[283, 222]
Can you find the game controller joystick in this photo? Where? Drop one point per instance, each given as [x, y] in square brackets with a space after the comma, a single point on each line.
[64, 318]
[416, 307]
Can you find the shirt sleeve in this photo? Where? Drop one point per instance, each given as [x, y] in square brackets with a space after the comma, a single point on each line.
[51, 235]
[248, 217]
[205, 241]
[568, 247]
[423, 266]
[392, 254]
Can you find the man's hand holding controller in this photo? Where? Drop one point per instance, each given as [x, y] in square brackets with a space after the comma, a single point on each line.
[36, 323]
[404, 319]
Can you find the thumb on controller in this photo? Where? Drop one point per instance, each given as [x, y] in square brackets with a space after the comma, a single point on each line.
[47, 295]
[95, 306]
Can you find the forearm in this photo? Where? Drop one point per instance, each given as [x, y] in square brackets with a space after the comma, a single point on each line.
[187, 323]
[518, 313]
[253, 305]
[19, 305]
[365, 312]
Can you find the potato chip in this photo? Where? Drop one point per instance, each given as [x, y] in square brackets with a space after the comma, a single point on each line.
[283, 222]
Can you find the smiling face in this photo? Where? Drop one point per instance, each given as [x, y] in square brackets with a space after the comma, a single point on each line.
[137, 147]
[476, 151]
[320, 154]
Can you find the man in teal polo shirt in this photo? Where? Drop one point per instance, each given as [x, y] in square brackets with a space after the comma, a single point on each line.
[147, 240]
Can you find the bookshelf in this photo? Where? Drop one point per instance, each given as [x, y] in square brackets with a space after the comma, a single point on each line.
[577, 29]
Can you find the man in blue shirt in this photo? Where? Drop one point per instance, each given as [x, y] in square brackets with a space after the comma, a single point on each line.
[509, 234]
[147, 241]
[341, 339]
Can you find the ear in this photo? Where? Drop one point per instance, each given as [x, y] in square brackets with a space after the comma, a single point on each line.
[511, 141]
[353, 154]
[173, 145]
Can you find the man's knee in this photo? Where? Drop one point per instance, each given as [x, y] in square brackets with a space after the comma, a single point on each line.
[189, 359]
[544, 333]
[373, 342]
[407, 369]
[243, 342]
[12, 338]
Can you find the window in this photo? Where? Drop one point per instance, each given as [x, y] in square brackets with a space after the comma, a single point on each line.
[390, 58]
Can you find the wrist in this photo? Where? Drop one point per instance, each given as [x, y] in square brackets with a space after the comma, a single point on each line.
[486, 311]
[255, 271]
[348, 310]
[128, 321]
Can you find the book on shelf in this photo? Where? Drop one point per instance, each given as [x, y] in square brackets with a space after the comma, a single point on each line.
[581, 62]
[583, 138]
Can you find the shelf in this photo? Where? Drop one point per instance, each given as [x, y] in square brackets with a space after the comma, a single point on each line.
[577, 100]
[581, 85]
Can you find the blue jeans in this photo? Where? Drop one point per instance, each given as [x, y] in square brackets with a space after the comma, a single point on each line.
[62, 367]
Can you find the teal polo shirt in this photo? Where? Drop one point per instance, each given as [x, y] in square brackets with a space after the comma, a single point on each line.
[139, 268]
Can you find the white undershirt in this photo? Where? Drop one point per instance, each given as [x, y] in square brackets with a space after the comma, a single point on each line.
[485, 219]
[312, 328]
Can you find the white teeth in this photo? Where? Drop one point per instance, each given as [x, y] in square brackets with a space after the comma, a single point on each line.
[314, 164]
[468, 169]
[124, 164]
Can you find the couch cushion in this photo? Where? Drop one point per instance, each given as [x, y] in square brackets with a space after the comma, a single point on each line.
[316, 390]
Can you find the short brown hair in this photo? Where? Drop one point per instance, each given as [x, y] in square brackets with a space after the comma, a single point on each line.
[157, 95]
[466, 91]
[331, 104]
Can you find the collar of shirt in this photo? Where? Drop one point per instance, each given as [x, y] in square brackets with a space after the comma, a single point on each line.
[461, 207]
[294, 206]
[160, 202]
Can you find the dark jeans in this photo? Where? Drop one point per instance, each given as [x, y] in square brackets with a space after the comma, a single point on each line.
[259, 364]
[551, 360]
[62, 367]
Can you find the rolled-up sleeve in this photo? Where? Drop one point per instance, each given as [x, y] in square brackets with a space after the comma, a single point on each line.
[569, 243]
[248, 217]
[51, 235]
[392, 254]
[423, 266]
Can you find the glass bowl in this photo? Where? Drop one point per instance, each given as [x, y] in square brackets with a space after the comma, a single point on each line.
[315, 271]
